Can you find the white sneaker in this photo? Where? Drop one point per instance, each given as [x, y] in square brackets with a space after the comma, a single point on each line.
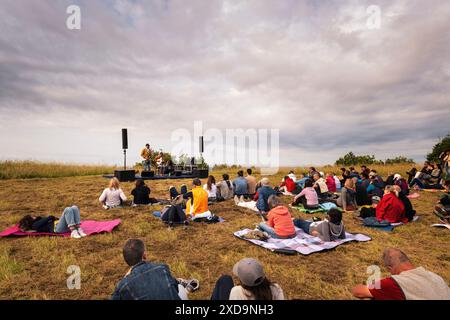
[105, 207]
[81, 233]
[75, 234]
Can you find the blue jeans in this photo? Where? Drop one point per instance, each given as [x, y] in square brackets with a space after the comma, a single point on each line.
[302, 224]
[146, 165]
[69, 218]
[271, 231]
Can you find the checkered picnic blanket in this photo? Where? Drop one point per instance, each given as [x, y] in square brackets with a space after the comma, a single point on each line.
[303, 243]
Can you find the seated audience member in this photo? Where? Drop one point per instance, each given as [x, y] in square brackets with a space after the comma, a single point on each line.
[361, 195]
[377, 178]
[240, 185]
[320, 186]
[288, 185]
[425, 172]
[146, 280]
[445, 199]
[435, 175]
[141, 194]
[374, 188]
[301, 180]
[407, 282]
[251, 184]
[225, 189]
[292, 175]
[327, 230]
[411, 174]
[364, 170]
[390, 179]
[196, 200]
[391, 208]
[409, 211]
[312, 171]
[279, 221]
[254, 285]
[347, 199]
[211, 188]
[337, 182]
[263, 194]
[112, 196]
[331, 183]
[365, 180]
[69, 222]
[399, 181]
[307, 197]
[353, 172]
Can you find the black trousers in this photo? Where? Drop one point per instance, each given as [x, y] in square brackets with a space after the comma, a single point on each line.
[302, 200]
[223, 288]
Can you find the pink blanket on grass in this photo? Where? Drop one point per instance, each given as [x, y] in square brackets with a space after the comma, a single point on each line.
[89, 227]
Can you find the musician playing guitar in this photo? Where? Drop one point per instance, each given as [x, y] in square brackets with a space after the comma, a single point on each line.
[146, 154]
[159, 163]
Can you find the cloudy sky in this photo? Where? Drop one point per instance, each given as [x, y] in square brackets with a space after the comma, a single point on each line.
[315, 70]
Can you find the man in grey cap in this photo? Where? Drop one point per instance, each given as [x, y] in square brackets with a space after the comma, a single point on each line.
[254, 284]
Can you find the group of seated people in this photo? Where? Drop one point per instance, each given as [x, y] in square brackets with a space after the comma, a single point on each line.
[154, 281]
[431, 176]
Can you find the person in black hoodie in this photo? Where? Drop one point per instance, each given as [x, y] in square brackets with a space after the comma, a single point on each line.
[409, 211]
[141, 194]
[68, 223]
[361, 195]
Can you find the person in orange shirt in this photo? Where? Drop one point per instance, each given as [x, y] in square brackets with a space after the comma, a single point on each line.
[197, 200]
[279, 223]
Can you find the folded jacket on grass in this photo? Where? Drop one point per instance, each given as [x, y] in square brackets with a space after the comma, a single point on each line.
[89, 227]
[372, 222]
[413, 196]
[303, 243]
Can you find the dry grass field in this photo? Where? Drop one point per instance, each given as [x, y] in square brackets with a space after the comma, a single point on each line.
[35, 268]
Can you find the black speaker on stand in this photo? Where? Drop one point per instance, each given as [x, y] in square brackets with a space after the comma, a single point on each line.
[125, 175]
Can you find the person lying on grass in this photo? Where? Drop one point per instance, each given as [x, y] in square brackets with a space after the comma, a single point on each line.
[141, 194]
[307, 197]
[279, 220]
[149, 281]
[406, 282]
[254, 285]
[391, 208]
[329, 229]
[112, 196]
[69, 222]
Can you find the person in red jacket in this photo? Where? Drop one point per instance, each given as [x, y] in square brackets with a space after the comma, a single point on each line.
[289, 185]
[279, 220]
[391, 208]
[331, 184]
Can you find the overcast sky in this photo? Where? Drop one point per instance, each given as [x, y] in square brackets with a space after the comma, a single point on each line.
[312, 69]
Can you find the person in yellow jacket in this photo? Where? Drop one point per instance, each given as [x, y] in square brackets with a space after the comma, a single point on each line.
[146, 154]
[197, 201]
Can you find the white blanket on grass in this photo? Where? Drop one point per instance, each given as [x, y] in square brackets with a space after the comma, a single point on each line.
[303, 243]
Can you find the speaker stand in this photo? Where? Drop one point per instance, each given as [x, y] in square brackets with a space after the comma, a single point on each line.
[124, 159]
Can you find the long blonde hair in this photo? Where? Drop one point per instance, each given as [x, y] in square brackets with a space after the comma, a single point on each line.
[393, 189]
[114, 184]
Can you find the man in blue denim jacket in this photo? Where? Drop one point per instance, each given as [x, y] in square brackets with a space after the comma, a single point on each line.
[145, 280]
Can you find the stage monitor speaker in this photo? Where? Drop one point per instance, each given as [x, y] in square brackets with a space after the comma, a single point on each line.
[201, 144]
[147, 174]
[178, 173]
[125, 175]
[124, 139]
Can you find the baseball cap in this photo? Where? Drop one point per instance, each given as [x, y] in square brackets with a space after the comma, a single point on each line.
[249, 271]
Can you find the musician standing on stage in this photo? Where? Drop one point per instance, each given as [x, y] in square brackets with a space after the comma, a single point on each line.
[146, 154]
[159, 161]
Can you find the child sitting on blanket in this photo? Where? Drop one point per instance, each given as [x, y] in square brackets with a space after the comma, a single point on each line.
[328, 230]
[279, 223]
[308, 197]
[69, 222]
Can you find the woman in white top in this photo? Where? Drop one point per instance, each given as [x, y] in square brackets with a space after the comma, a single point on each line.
[112, 196]
[254, 284]
[211, 188]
